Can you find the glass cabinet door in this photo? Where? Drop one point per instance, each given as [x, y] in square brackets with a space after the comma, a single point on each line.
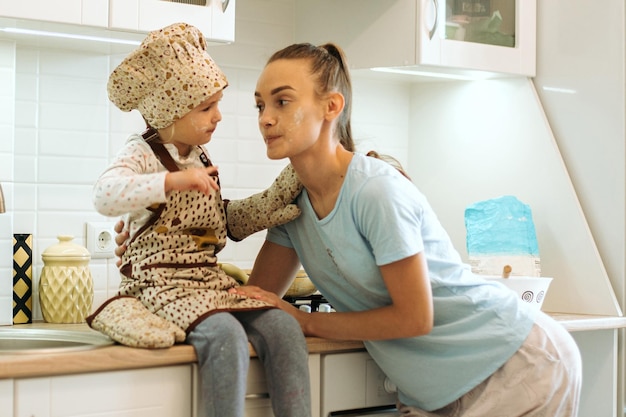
[490, 22]
[491, 35]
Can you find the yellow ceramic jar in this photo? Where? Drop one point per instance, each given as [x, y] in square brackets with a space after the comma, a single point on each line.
[65, 284]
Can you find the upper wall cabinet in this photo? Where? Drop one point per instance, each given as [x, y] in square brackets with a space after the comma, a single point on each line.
[77, 12]
[468, 37]
[215, 18]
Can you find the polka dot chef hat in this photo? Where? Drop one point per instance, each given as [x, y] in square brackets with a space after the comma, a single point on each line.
[167, 76]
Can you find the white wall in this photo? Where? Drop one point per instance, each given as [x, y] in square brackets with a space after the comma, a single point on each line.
[473, 141]
[59, 132]
[581, 80]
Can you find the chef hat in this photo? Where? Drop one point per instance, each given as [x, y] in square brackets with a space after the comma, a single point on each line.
[167, 76]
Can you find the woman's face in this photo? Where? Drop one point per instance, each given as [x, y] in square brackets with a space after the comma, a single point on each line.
[290, 112]
[196, 127]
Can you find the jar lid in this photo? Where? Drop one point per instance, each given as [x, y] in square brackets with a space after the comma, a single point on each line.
[66, 249]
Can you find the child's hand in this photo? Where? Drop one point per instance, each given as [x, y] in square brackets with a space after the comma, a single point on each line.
[199, 179]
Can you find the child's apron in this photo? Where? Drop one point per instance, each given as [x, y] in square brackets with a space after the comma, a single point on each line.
[171, 264]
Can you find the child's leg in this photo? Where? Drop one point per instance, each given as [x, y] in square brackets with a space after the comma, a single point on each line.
[280, 344]
[221, 345]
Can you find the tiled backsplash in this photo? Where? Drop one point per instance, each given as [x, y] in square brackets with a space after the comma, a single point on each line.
[59, 131]
[7, 104]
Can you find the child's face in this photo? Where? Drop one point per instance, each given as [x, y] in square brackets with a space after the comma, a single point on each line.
[290, 112]
[196, 127]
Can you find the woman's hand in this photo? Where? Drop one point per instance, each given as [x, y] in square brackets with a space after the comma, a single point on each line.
[199, 179]
[257, 293]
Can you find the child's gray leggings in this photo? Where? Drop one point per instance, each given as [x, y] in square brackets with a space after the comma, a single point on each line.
[221, 344]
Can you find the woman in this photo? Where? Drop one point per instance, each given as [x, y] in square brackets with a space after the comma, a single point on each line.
[453, 343]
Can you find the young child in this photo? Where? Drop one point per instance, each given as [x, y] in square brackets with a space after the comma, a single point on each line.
[165, 183]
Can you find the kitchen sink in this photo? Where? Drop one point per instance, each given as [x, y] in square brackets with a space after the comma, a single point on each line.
[42, 341]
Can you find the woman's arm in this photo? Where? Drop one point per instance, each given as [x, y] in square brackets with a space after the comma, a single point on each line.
[410, 313]
[274, 268]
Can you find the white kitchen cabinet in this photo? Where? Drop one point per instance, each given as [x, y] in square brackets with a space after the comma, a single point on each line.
[121, 18]
[154, 392]
[425, 35]
[6, 395]
[599, 353]
[77, 12]
[216, 20]
[353, 381]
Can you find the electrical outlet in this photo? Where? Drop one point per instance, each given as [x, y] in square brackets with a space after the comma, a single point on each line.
[101, 239]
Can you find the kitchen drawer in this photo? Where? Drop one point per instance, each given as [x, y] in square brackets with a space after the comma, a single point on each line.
[157, 392]
[352, 381]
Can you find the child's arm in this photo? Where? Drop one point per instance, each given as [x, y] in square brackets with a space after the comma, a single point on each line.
[134, 180]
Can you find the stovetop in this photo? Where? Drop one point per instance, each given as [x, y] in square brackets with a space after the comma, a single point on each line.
[313, 301]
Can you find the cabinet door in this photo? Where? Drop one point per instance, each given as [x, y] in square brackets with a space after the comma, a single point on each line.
[489, 35]
[416, 35]
[78, 12]
[155, 392]
[374, 33]
[6, 396]
[143, 16]
[222, 20]
[257, 398]
[352, 381]
[95, 13]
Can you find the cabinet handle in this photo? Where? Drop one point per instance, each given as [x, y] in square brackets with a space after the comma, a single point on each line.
[257, 396]
[225, 5]
[432, 31]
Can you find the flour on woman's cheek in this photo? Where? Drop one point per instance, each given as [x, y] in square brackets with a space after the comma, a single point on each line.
[298, 117]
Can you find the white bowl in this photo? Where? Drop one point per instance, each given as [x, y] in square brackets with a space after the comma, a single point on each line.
[530, 289]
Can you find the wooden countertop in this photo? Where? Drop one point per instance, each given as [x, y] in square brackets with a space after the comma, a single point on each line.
[117, 357]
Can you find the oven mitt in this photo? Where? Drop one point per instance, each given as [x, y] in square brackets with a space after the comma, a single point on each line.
[127, 321]
[266, 209]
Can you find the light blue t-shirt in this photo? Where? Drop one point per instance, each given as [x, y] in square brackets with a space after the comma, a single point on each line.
[381, 217]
